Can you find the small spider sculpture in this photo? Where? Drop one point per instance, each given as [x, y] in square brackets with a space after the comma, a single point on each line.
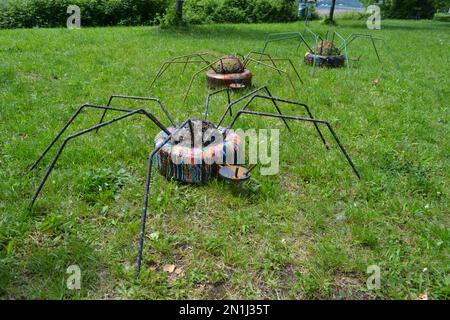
[183, 151]
[228, 71]
[328, 51]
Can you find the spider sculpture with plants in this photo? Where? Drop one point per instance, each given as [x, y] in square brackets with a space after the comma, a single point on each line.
[331, 50]
[194, 151]
[230, 71]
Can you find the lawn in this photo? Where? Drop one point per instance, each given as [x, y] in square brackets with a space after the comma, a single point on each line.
[309, 232]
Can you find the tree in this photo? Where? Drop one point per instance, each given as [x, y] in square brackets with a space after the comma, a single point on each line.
[179, 9]
[173, 16]
[330, 18]
[410, 9]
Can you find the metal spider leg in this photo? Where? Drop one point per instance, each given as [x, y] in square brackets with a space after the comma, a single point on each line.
[76, 114]
[273, 60]
[208, 99]
[77, 134]
[231, 104]
[317, 38]
[274, 101]
[261, 54]
[146, 197]
[273, 68]
[347, 57]
[158, 101]
[277, 37]
[282, 116]
[186, 59]
[352, 37]
[211, 65]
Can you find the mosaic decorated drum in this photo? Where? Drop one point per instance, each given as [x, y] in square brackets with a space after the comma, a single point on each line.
[182, 162]
[325, 54]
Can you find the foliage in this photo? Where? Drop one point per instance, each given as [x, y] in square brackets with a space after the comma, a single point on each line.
[171, 18]
[353, 16]
[409, 9]
[240, 11]
[442, 6]
[53, 13]
[444, 17]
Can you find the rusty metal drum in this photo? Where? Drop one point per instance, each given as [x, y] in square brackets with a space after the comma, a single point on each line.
[217, 80]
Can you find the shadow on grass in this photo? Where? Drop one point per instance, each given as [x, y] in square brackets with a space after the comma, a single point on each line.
[222, 31]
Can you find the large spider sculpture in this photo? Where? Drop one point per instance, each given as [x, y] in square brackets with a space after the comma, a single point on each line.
[183, 152]
[328, 51]
[227, 71]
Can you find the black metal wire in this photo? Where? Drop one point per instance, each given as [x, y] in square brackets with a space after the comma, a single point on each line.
[77, 134]
[208, 100]
[253, 96]
[87, 105]
[146, 195]
[273, 115]
[137, 98]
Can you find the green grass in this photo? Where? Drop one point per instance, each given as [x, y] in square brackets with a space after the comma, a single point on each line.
[309, 232]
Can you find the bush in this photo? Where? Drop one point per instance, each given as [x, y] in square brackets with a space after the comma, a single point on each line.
[442, 6]
[409, 9]
[53, 13]
[171, 18]
[445, 17]
[200, 11]
[352, 16]
[240, 11]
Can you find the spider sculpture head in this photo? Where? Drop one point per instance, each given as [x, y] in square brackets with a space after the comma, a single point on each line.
[229, 64]
[326, 48]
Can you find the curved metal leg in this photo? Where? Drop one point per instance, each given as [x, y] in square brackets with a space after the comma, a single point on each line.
[146, 197]
[33, 166]
[316, 121]
[273, 68]
[70, 137]
[352, 37]
[158, 101]
[208, 99]
[186, 59]
[261, 54]
[196, 74]
[285, 36]
[273, 60]
[274, 101]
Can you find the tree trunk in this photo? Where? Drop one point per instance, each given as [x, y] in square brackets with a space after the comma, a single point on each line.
[333, 4]
[179, 10]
